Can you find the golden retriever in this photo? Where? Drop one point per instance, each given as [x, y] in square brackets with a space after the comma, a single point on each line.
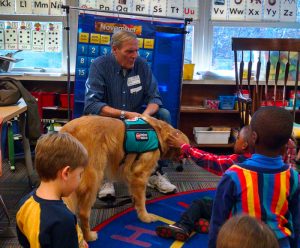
[103, 138]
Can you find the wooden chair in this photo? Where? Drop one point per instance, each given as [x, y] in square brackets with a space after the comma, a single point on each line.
[278, 58]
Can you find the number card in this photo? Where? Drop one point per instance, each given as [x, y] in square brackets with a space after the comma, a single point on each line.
[53, 39]
[38, 40]
[1, 38]
[24, 36]
[11, 39]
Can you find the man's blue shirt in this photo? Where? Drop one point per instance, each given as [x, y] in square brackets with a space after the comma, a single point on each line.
[107, 85]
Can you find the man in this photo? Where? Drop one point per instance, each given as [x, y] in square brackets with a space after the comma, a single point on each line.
[121, 85]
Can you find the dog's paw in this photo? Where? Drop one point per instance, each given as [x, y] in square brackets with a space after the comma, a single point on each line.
[147, 218]
[92, 236]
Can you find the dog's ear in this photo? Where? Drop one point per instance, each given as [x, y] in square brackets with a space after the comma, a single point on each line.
[162, 130]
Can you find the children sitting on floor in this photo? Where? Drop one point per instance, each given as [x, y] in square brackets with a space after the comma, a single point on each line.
[262, 186]
[43, 220]
[247, 232]
[196, 217]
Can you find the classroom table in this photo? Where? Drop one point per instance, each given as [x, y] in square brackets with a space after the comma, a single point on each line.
[8, 113]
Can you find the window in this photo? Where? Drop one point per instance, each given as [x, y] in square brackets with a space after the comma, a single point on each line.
[212, 39]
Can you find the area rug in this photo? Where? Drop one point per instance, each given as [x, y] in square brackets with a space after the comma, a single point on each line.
[127, 231]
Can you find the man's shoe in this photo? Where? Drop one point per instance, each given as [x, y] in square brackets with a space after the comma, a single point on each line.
[175, 231]
[107, 191]
[201, 226]
[161, 183]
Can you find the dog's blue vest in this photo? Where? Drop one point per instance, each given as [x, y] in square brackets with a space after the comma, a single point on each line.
[140, 136]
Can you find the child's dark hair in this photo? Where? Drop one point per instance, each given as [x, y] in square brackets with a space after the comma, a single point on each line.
[273, 126]
[55, 151]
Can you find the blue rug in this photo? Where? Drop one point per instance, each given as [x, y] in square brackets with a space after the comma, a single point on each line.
[127, 231]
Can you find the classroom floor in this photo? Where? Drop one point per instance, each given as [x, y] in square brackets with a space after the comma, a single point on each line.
[14, 185]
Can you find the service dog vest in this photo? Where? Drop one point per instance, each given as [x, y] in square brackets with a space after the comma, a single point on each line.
[140, 136]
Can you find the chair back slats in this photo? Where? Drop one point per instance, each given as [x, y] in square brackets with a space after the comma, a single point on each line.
[279, 65]
[286, 75]
[276, 77]
[296, 85]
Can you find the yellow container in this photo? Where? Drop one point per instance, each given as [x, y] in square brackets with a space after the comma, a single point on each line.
[188, 71]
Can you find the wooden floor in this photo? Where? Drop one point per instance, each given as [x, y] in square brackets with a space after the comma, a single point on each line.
[14, 185]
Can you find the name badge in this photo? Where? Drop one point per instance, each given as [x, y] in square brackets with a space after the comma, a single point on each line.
[135, 90]
[133, 80]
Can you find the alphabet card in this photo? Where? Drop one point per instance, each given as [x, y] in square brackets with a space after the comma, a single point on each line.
[53, 39]
[24, 35]
[40, 7]
[271, 11]
[254, 10]
[219, 10]
[141, 6]
[288, 11]
[87, 4]
[11, 35]
[158, 7]
[24, 7]
[38, 38]
[7, 6]
[107, 5]
[175, 8]
[191, 9]
[123, 5]
[55, 7]
[237, 9]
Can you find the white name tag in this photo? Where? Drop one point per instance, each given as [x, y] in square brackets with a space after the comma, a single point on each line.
[133, 80]
[135, 90]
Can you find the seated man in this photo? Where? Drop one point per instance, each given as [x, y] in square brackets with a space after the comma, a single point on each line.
[119, 86]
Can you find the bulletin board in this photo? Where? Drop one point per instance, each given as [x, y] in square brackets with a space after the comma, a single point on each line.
[160, 43]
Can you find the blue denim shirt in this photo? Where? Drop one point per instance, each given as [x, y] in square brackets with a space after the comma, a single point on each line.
[106, 85]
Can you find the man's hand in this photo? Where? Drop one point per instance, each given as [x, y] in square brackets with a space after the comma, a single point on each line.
[130, 115]
[175, 139]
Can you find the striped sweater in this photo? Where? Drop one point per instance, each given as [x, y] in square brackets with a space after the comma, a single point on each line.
[262, 187]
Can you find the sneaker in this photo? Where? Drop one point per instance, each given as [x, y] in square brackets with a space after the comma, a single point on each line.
[107, 191]
[175, 231]
[201, 226]
[161, 183]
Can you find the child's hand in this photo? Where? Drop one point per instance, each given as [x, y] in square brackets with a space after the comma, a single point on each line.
[175, 140]
[85, 244]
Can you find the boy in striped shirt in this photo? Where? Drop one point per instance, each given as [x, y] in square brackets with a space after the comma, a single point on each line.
[262, 186]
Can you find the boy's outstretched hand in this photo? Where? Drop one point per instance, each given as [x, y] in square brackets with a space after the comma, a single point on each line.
[175, 139]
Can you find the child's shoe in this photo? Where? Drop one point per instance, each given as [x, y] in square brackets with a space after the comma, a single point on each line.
[175, 231]
[201, 226]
